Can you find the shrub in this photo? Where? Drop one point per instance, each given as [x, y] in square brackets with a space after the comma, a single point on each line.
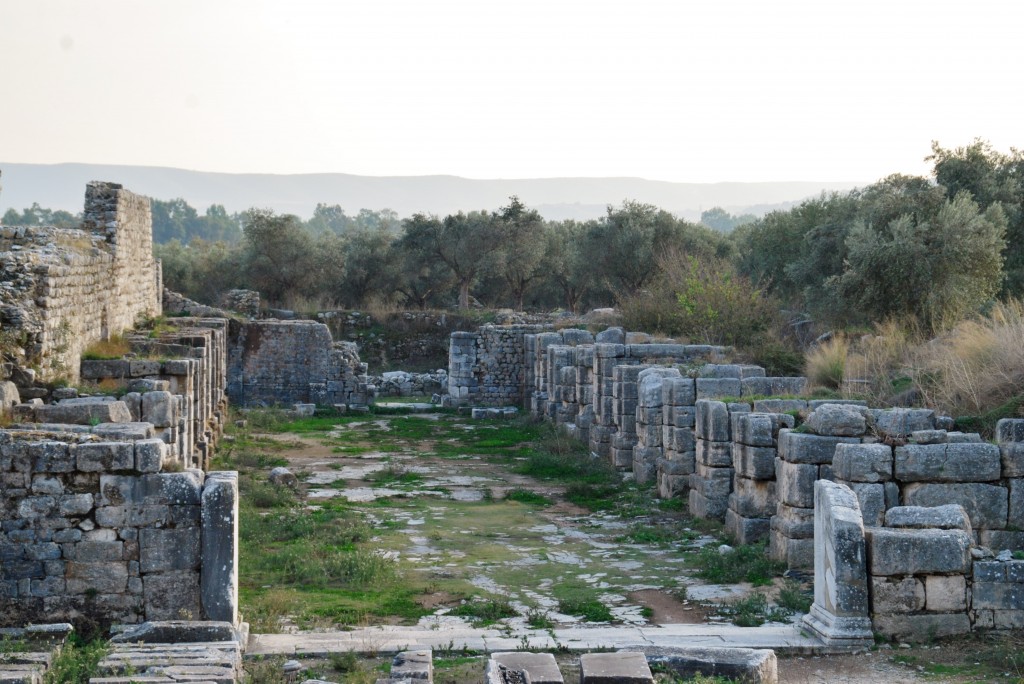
[114, 348]
[742, 564]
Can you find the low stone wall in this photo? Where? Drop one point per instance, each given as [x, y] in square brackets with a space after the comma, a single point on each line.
[95, 531]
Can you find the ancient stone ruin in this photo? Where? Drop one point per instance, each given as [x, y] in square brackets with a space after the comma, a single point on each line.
[909, 525]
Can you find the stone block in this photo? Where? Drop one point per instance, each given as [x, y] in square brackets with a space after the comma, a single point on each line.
[755, 463]
[542, 667]
[753, 498]
[946, 463]
[804, 447]
[150, 455]
[923, 626]
[794, 522]
[169, 549]
[945, 593]
[797, 554]
[622, 667]
[779, 405]
[219, 580]
[796, 483]
[900, 422]
[748, 665]
[986, 505]
[746, 530]
[1010, 430]
[871, 497]
[159, 408]
[948, 517]
[104, 457]
[74, 504]
[704, 507]
[123, 432]
[716, 454]
[49, 457]
[997, 595]
[755, 429]
[138, 368]
[679, 392]
[999, 540]
[172, 595]
[100, 369]
[712, 421]
[768, 387]
[837, 420]
[1012, 458]
[863, 462]
[896, 595]
[84, 411]
[918, 552]
[714, 388]
[417, 666]
[104, 578]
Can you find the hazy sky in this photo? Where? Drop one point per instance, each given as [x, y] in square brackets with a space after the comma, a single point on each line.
[682, 90]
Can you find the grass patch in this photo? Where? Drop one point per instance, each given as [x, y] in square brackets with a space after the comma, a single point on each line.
[742, 564]
[538, 619]
[485, 612]
[76, 661]
[825, 364]
[107, 350]
[527, 496]
[793, 597]
[394, 476]
[752, 611]
[582, 601]
[652, 533]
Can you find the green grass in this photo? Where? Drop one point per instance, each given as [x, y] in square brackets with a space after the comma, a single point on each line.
[538, 619]
[742, 564]
[752, 611]
[527, 496]
[485, 612]
[76, 662]
[985, 424]
[580, 600]
[793, 597]
[395, 476]
[655, 534]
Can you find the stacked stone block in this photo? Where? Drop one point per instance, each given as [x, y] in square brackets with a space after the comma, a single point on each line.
[625, 400]
[997, 594]
[93, 529]
[584, 392]
[679, 448]
[495, 366]
[920, 563]
[753, 501]
[649, 449]
[711, 482]
[607, 356]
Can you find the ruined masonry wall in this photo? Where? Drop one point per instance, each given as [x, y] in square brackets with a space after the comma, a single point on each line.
[283, 362]
[491, 367]
[92, 531]
[69, 288]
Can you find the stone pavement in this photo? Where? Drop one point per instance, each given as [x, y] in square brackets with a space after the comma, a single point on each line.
[390, 639]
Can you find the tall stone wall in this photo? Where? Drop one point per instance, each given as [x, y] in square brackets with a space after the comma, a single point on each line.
[275, 362]
[491, 367]
[64, 289]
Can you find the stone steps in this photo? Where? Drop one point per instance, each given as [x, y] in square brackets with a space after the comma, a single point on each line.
[23, 668]
[197, 663]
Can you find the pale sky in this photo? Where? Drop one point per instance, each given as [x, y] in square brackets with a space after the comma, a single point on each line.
[683, 90]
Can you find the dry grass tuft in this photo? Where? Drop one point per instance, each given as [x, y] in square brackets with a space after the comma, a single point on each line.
[877, 367]
[825, 365]
[976, 366]
[114, 348]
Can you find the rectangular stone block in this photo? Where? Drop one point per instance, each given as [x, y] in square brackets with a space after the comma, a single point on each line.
[947, 463]
[896, 595]
[715, 388]
[716, 454]
[796, 483]
[755, 463]
[1012, 458]
[797, 554]
[901, 422]
[104, 578]
[922, 627]
[49, 457]
[1010, 430]
[872, 501]
[918, 552]
[746, 530]
[753, 498]
[804, 447]
[987, 505]
[706, 508]
[945, 593]
[768, 387]
[104, 457]
[713, 423]
[794, 522]
[679, 392]
[172, 596]
[863, 462]
[997, 595]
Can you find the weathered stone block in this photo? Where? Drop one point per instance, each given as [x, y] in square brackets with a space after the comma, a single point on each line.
[622, 667]
[49, 457]
[161, 549]
[104, 577]
[1012, 458]
[796, 483]
[918, 552]
[746, 530]
[767, 387]
[837, 420]
[74, 504]
[946, 463]
[997, 595]
[794, 522]
[1010, 430]
[753, 498]
[900, 422]
[896, 595]
[158, 408]
[803, 447]
[219, 581]
[863, 462]
[172, 596]
[679, 392]
[149, 455]
[946, 593]
[542, 667]
[948, 517]
[713, 388]
[871, 497]
[716, 454]
[712, 421]
[104, 457]
[755, 463]
[987, 505]
[922, 627]
[797, 554]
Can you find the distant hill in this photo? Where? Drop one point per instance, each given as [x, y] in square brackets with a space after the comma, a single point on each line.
[62, 186]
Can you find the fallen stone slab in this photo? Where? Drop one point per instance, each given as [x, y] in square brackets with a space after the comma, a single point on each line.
[416, 665]
[542, 668]
[748, 665]
[166, 632]
[622, 667]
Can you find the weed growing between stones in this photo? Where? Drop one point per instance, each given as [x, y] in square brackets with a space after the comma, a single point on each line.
[483, 612]
[76, 661]
[527, 496]
[742, 564]
[753, 611]
[792, 596]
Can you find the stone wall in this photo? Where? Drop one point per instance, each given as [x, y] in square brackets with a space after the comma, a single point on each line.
[490, 367]
[64, 289]
[273, 362]
[94, 531]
